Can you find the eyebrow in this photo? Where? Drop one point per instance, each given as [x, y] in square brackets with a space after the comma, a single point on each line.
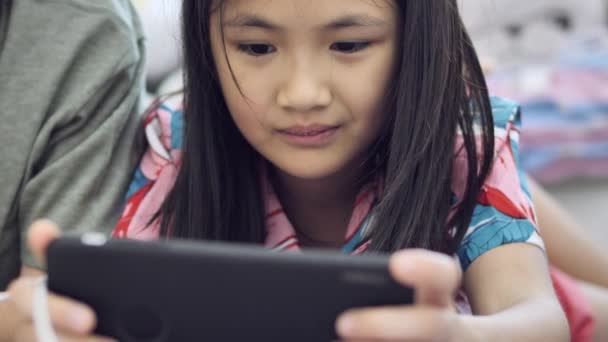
[256, 21]
[356, 20]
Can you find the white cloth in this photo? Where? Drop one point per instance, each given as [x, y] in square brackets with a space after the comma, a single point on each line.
[41, 316]
[161, 23]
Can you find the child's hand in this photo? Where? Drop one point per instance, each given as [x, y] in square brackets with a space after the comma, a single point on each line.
[435, 278]
[70, 320]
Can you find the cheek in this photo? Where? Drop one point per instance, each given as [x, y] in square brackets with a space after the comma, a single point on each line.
[248, 102]
[244, 85]
[248, 109]
[366, 99]
[255, 86]
[248, 117]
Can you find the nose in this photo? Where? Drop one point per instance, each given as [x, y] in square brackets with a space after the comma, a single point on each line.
[304, 90]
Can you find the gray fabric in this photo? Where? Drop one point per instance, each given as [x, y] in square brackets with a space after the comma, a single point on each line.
[5, 8]
[71, 75]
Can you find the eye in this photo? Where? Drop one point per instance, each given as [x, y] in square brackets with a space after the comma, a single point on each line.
[256, 50]
[349, 47]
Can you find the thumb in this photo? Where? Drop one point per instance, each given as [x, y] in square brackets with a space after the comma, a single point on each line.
[40, 235]
[435, 277]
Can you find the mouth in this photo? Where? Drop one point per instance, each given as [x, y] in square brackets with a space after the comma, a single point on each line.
[307, 131]
[309, 136]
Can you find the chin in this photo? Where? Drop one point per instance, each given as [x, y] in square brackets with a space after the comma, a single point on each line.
[310, 170]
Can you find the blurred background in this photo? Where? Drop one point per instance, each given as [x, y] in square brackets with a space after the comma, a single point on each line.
[549, 55]
[552, 57]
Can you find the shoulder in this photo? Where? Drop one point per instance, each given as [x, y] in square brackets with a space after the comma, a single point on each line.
[82, 53]
[506, 116]
[75, 30]
[504, 212]
[120, 13]
[163, 131]
[504, 111]
[157, 170]
[164, 124]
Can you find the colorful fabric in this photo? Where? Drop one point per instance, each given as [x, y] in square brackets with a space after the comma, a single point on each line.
[504, 213]
[577, 308]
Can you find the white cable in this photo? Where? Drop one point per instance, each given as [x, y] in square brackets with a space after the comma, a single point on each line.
[42, 320]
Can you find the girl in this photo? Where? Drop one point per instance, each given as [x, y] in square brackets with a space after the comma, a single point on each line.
[353, 124]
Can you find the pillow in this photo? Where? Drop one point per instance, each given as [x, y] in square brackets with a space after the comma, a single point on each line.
[161, 24]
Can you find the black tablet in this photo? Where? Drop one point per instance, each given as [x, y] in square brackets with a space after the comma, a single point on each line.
[209, 291]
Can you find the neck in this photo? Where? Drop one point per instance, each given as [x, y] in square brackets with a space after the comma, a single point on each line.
[319, 209]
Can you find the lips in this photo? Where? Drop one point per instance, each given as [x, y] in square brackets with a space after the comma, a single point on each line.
[313, 136]
[307, 131]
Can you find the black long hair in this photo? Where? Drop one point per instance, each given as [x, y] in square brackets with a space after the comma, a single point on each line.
[438, 90]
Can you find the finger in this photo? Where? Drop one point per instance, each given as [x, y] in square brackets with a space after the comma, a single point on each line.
[65, 314]
[26, 333]
[40, 235]
[434, 276]
[396, 324]
[369, 340]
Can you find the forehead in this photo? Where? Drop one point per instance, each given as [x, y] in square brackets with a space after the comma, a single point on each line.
[306, 14]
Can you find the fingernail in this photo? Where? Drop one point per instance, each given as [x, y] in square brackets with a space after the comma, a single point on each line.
[344, 325]
[80, 318]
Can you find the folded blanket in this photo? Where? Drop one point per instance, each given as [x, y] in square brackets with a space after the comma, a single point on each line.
[565, 101]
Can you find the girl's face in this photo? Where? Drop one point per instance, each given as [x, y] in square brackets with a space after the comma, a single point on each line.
[313, 76]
